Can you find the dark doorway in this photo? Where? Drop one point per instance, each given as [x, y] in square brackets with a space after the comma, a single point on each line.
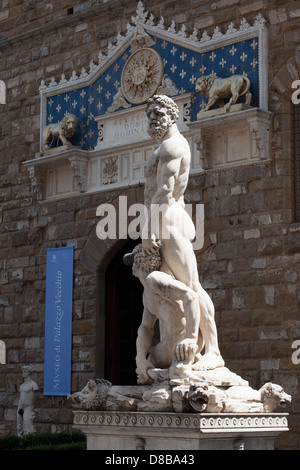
[124, 309]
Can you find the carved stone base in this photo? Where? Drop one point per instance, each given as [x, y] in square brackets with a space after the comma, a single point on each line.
[56, 150]
[219, 111]
[117, 430]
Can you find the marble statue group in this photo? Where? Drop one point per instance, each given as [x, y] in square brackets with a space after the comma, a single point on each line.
[173, 294]
[184, 371]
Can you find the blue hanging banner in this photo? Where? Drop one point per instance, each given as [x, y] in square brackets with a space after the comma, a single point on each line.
[58, 321]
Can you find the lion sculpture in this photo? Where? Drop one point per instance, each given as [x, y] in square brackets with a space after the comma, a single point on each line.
[92, 396]
[218, 89]
[100, 394]
[62, 130]
[210, 399]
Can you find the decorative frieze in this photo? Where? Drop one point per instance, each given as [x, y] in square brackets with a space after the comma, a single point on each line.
[179, 431]
[218, 142]
[209, 423]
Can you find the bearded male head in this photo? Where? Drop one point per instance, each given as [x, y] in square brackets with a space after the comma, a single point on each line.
[162, 112]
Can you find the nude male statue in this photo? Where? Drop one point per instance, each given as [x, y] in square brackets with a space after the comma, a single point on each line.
[25, 411]
[166, 180]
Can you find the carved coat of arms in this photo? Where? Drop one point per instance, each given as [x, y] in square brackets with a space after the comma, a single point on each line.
[142, 74]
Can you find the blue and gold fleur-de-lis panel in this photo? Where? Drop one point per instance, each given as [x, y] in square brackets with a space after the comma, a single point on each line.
[182, 65]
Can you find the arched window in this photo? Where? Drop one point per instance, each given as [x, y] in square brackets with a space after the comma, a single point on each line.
[2, 92]
[2, 352]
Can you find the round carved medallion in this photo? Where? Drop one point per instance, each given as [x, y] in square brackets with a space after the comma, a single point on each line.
[142, 75]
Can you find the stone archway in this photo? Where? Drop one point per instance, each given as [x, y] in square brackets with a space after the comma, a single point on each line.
[123, 315]
[283, 133]
[115, 303]
[99, 256]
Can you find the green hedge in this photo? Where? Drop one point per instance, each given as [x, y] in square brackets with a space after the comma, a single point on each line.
[58, 441]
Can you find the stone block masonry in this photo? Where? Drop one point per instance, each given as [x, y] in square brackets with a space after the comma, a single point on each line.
[250, 263]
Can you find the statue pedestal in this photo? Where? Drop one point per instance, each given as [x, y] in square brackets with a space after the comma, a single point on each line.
[122, 430]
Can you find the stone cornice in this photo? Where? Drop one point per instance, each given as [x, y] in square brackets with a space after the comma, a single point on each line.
[204, 423]
[67, 20]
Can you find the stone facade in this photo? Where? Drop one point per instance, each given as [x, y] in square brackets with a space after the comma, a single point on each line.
[250, 260]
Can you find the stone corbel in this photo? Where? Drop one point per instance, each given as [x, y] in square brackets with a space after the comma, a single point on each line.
[203, 146]
[259, 128]
[37, 178]
[78, 166]
[217, 132]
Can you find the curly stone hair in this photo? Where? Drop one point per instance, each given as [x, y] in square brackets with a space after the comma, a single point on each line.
[69, 131]
[167, 102]
[206, 81]
[148, 263]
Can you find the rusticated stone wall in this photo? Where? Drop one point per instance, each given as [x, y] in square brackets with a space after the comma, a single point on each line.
[251, 258]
